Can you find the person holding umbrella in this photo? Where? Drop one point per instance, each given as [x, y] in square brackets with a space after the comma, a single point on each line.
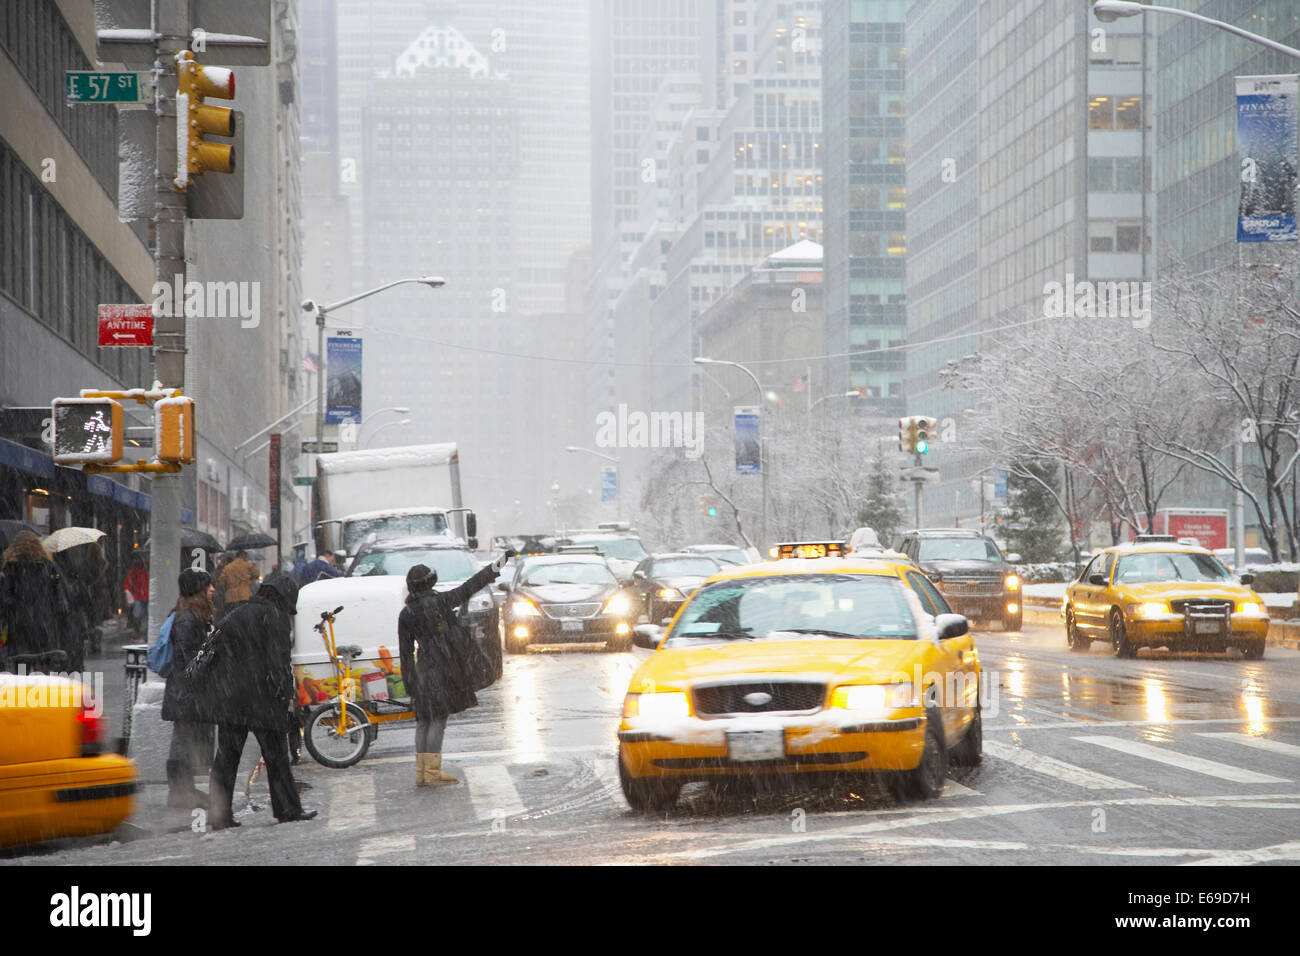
[33, 599]
[80, 560]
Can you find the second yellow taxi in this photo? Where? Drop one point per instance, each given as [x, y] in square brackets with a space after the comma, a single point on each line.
[803, 666]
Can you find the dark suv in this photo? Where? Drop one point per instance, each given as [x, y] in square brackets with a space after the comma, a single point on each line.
[973, 574]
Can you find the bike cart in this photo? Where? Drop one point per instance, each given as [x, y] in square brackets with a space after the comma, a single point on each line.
[340, 731]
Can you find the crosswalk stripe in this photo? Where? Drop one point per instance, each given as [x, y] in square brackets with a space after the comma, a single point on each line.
[1172, 758]
[1051, 767]
[375, 847]
[1260, 743]
[492, 791]
[352, 802]
[954, 789]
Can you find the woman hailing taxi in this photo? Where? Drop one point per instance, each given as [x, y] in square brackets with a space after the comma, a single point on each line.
[438, 661]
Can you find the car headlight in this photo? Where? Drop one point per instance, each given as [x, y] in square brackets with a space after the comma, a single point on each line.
[1148, 609]
[480, 602]
[618, 605]
[524, 609]
[672, 704]
[670, 594]
[1249, 607]
[873, 697]
[1011, 582]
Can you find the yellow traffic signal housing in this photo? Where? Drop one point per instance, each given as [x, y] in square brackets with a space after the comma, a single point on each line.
[907, 434]
[927, 430]
[195, 119]
[87, 430]
[173, 430]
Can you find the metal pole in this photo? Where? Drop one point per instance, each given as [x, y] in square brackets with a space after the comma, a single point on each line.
[1239, 508]
[916, 496]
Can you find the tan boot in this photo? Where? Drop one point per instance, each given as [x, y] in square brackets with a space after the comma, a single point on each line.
[422, 770]
[436, 777]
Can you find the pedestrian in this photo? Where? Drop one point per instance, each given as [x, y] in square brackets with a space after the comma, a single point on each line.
[33, 601]
[299, 563]
[136, 587]
[324, 566]
[438, 660]
[249, 687]
[238, 579]
[190, 752]
[83, 568]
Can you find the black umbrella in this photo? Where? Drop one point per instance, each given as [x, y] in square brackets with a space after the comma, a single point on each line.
[251, 542]
[191, 539]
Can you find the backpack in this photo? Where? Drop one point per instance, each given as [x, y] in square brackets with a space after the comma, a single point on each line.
[162, 653]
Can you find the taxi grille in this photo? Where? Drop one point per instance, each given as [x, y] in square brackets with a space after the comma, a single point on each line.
[1202, 606]
[784, 696]
[558, 611]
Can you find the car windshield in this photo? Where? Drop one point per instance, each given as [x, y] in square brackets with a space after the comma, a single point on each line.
[451, 564]
[392, 526]
[793, 607]
[586, 572]
[731, 556]
[1169, 566]
[958, 549]
[684, 567]
[625, 549]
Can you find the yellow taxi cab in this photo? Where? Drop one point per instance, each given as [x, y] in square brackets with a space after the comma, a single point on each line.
[55, 781]
[810, 665]
[1155, 592]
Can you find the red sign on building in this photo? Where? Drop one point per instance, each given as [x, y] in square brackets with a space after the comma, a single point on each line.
[125, 325]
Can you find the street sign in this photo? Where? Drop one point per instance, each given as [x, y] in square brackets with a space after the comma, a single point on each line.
[86, 86]
[920, 474]
[123, 326]
[999, 483]
[310, 448]
[302, 481]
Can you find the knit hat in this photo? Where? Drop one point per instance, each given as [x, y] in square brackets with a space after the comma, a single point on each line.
[420, 578]
[193, 581]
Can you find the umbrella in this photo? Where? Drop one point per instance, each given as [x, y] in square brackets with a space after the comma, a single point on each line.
[190, 539]
[250, 542]
[66, 538]
[9, 529]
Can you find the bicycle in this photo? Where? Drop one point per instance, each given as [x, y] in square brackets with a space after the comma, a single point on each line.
[339, 733]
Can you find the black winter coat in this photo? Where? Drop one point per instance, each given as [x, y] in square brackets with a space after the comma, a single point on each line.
[187, 636]
[33, 606]
[441, 681]
[250, 683]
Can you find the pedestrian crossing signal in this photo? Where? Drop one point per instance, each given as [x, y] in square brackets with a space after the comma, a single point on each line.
[87, 430]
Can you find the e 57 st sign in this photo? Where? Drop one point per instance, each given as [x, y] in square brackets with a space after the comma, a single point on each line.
[84, 86]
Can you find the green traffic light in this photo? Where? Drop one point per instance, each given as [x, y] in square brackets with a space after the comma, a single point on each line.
[713, 512]
[922, 447]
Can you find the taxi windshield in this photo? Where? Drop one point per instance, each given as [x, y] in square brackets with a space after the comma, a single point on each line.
[587, 572]
[1169, 566]
[794, 607]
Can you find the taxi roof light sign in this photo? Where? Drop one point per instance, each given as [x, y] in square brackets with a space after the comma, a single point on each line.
[808, 549]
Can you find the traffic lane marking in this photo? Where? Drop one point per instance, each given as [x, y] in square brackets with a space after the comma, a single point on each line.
[1260, 743]
[352, 803]
[1076, 724]
[375, 847]
[1058, 769]
[1277, 853]
[493, 793]
[1182, 761]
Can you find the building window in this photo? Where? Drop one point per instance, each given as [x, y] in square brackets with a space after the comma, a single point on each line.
[1101, 113]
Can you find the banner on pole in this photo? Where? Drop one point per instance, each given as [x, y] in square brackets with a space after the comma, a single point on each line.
[1267, 144]
[608, 483]
[342, 380]
[749, 458]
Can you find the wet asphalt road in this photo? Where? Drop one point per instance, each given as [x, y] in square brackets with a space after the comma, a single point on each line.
[1166, 759]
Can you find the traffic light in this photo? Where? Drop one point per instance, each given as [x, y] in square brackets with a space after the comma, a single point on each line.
[708, 506]
[907, 434]
[196, 154]
[173, 430]
[87, 430]
[927, 430]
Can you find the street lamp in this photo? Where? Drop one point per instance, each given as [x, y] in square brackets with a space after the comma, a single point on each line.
[762, 465]
[618, 476]
[399, 409]
[851, 393]
[321, 311]
[403, 423]
[1108, 11]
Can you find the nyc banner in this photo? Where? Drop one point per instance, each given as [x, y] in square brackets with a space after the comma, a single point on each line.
[1267, 144]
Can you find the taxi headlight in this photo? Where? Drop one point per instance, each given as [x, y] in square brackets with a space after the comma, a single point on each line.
[524, 609]
[671, 594]
[873, 697]
[1148, 609]
[618, 605]
[1011, 582]
[672, 704]
[1249, 607]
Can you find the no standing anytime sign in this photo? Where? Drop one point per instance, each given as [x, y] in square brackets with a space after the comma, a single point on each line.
[125, 325]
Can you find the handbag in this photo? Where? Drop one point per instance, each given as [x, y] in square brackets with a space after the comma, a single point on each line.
[475, 669]
[201, 664]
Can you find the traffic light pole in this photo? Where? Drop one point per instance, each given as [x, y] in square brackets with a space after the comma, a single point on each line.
[171, 30]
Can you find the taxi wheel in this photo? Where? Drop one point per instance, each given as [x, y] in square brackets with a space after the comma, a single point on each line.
[969, 752]
[1253, 651]
[1119, 643]
[1073, 637]
[927, 780]
[647, 795]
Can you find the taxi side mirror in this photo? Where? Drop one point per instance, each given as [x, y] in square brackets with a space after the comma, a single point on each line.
[1012, 558]
[638, 575]
[1099, 579]
[1246, 578]
[951, 625]
[647, 635]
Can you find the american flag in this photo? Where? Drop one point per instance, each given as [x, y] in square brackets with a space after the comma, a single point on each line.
[309, 363]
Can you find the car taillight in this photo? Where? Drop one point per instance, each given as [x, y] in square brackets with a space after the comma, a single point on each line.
[92, 732]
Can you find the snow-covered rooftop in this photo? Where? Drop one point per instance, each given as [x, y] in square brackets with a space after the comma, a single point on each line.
[442, 48]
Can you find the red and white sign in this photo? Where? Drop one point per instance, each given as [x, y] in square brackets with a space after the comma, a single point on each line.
[125, 325]
[1209, 526]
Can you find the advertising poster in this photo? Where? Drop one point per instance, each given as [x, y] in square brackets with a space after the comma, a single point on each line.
[342, 380]
[1267, 145]
[608, 483]
[748, 455]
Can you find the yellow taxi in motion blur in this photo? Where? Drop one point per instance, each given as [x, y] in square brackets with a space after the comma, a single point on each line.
[820, 665]
[54, 779]
[1155, 592]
